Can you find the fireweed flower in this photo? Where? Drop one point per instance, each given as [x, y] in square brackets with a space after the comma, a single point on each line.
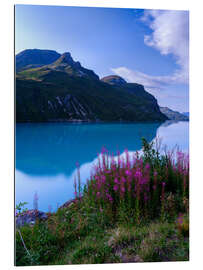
[75, 187]
[147, 166]
[108, 196]
[141, 163]
[127, 158]
[103, 161]
[99, 185]
[145, 197]
[49, 208]
[162, 193]
[116, 181]
[147, 170]
[136, 180]
[123, 189]
[103, 178]
[119, 159]
[123, 180]
[155, 180]
[35, 201]
[138, 174]
[110, 199]
[184, 182]
[143, 181]
[128, 172]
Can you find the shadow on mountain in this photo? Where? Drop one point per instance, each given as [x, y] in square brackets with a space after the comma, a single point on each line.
[54, 148]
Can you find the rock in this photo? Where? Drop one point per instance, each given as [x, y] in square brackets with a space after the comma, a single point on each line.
[30, 217]
[68, 204]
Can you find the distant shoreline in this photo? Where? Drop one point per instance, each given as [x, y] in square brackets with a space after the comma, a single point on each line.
[96, 122]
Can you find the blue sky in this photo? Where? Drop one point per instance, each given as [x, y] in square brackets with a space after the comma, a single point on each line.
[150, 47]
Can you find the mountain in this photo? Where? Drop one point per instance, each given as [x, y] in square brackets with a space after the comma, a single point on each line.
[173, 115]
[114, 80]
[35, 58]
[132, 88]
[65, 91]
[186, 113]
[64, 65]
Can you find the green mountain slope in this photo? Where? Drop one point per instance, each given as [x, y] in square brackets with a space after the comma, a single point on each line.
[33, 58]
[65, 91]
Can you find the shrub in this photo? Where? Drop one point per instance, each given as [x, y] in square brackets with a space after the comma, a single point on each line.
[128, 207]
[139, 186]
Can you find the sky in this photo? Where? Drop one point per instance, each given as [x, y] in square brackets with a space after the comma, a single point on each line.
[150, 47]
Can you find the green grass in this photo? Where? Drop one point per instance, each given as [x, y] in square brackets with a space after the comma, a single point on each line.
[72, 237]
[118, 227]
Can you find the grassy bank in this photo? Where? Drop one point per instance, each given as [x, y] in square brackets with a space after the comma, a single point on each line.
[132, 209]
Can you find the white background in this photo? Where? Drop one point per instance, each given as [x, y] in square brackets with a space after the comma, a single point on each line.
[196, 130]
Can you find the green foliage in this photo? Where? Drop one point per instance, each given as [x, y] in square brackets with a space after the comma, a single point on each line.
[20, 207]
[182, 223]
[92, 230]
[149, 152]
[147, 187]
[74, 236]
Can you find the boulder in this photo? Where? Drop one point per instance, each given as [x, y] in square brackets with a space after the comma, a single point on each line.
[29, 217]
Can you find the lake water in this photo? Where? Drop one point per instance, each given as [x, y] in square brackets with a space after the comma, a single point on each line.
[47, 153]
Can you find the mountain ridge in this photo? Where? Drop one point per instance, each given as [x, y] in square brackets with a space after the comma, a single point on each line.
[65, 91]
[174, 115]
[32, 58]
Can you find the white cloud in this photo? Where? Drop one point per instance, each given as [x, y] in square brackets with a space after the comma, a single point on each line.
[170, 35]
[150, 82]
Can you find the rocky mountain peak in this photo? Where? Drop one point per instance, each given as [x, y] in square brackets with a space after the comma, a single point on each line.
[65, 58]
[114, 80]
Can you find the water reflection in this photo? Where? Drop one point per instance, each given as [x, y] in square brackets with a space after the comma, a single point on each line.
[51, 149]
[46, 154]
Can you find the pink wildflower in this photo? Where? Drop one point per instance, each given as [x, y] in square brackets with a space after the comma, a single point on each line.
[128, 172]
[103, 178]
[138, 174]
[50, 208]
[145, 197]
[116, 181]
[123, 189]
[162, 194]
[123, 180]
[155, 173]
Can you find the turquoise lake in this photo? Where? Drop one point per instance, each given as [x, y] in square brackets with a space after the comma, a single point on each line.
[47, 153]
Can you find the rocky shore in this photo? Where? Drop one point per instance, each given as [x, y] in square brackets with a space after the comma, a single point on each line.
[30, 216]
